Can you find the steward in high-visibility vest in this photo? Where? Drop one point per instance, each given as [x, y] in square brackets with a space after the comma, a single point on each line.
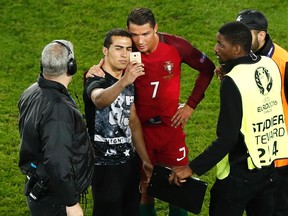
[262, 44]
[262, 125]
[280, 56]
[251, 132]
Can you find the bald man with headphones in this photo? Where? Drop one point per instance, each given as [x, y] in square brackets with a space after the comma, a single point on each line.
[55, 155]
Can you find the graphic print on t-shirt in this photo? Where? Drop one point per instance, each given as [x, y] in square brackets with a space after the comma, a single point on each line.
[112, 132]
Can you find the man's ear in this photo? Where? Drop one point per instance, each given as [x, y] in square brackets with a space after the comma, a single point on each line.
[156, 28]
[104, 51]
[261, 36]
[237, 49]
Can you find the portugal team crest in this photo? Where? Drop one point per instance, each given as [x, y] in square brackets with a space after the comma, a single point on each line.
[168, 66]
[263, 80]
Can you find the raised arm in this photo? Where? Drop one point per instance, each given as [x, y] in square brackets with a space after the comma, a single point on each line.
[103, 97]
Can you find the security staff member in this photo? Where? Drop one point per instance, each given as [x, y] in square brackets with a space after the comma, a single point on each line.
[250, 130]
[262, 44]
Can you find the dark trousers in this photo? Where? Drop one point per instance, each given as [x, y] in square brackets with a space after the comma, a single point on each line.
[45, 206]
[281, 194]
[116, 189]
[242, 190]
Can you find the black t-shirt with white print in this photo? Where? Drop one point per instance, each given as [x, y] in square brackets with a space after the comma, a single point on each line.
[109, 127]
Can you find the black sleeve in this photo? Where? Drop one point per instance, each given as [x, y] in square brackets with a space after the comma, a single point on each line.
[94, 82]
[228, 128]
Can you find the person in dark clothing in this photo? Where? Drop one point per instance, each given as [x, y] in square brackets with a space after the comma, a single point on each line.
[115, 129]
[250, 130]
[56, 154]
[262, 44]
[162, 116]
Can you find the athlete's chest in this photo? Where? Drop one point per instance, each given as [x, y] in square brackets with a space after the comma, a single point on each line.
[162, 64]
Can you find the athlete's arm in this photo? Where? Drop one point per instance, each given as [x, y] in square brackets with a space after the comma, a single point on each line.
[95, 70]
[138, 141]
[198, 61]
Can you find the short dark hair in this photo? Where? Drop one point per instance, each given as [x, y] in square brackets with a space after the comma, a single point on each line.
[115, 32]
[237, 33]
[141, 16]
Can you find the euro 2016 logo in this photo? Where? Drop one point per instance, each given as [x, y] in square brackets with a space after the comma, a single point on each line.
[263, 80]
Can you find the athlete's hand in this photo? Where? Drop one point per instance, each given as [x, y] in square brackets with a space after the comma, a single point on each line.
[75, 210]
[96, 70]
[145, 179]
[182, 115]
[179, 174]
[219, 72]
[148, 169]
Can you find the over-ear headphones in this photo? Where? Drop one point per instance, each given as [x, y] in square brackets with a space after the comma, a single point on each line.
[71, 64]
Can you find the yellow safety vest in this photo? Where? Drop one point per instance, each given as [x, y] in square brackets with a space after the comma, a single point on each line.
[263, 123]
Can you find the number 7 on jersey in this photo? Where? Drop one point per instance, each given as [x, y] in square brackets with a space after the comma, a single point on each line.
[156, 85]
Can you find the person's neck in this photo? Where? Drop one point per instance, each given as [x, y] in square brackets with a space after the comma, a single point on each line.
[155, 45]
[156, 42]
[63, 79]
[261, 46]
[264, 47]
[116, 73]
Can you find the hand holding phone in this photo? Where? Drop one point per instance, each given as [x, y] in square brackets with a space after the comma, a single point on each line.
[135, 56]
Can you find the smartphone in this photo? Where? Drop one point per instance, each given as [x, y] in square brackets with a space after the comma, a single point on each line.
[135, 56]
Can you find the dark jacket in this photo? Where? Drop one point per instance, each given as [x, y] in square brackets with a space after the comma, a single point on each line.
[54, 136]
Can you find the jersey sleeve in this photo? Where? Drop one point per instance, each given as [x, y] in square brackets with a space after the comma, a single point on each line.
[196, 60]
